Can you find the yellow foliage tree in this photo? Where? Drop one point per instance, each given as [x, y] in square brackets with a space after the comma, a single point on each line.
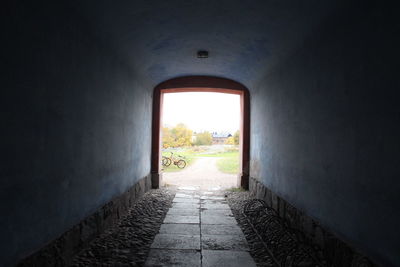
[230, 140]
[204, 138]
[167, 139]
[178, 136]
[236, 137]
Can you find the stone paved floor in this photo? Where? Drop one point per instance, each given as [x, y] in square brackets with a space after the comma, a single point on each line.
[199, 230]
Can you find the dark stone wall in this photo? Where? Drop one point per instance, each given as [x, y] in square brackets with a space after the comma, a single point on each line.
[76, 126]
[325, 128]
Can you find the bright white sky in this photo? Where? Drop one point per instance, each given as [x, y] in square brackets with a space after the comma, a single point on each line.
[202, 111]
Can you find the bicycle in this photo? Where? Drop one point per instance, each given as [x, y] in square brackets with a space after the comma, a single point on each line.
[165, 161]
[179, 162]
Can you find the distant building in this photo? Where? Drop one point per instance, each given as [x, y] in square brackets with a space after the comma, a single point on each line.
[220, 138]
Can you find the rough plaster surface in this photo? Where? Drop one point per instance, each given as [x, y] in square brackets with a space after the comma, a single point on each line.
[244, 38]
[77, 127]
[334, 251]
[325, 130]
[61, 251]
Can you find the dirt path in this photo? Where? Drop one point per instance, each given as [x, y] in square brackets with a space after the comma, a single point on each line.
[202, 174]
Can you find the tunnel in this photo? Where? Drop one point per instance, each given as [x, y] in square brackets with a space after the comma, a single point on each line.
[79, 84]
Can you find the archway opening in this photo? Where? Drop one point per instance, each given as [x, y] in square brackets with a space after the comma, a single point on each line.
[200, 140]
[201, 84]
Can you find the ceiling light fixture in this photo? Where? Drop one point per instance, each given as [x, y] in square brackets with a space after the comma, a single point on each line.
[202, 54]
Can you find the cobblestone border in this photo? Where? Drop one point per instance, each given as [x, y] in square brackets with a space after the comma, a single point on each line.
[336, 252]
[60, 251]
[258, 251]
[128, 243]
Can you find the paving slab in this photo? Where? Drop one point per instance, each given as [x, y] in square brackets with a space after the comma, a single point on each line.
[181, 228]
[218, 219]
[172, 257]
[213, 201]
[212, 258]
[173, 218]
[215, 188]
[212, 229]
[212, 193]
[212, 197]
[224, 242]
[179, 242]
[216, 212]
[174, 241]
[185, 205]
[186, 195]
[186, 200]
[188, 188]
[194, 194]
[180, 211]
[215, 206]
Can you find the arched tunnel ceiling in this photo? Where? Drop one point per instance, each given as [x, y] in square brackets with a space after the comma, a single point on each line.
[159, 39]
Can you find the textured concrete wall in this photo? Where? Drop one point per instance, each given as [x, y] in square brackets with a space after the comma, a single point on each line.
[336, 253]
[75, 126]
[62, 250]
[244, 38]
[325, 129]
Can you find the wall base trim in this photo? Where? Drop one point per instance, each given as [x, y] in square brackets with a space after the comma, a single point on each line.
[156, 180]
[243, 181]
[61, 251]
[335, 250]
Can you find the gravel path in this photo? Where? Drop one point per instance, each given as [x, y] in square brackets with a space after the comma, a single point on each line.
[128, 243]
[203, 174]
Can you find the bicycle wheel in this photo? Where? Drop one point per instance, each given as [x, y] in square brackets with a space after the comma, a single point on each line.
[168, 162]
[181, 164]
[164, 161]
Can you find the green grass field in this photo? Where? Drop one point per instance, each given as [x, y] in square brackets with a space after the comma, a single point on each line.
[228, 160]
[229, 163]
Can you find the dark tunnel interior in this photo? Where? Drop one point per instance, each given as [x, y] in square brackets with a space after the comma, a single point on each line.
[77, 94]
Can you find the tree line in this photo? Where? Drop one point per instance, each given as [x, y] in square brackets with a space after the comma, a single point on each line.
[180, 135]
